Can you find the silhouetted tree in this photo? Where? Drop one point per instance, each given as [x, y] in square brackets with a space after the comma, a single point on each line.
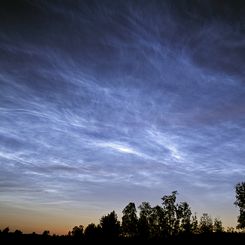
[77, 232]
[206, 224]
[194, 224]
[46, 233]
[110, 225]
[129, 220]
[5, 230]
[184, 217]
[230, 229]
[170, 213]
[92, 232]
[157, 222]
[218, 227]
[144, 220]
[240, 202]
[18, 232]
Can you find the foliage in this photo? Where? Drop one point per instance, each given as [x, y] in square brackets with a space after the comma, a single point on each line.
[171, 221]
[110, 226]
[92, 232]
[205, 224]
[218, 227]
[46, 233]
[184, 217]
[144, 224]
[240, 202]
[194, 225]
[5, 230]
[77, 232]
[130, 220]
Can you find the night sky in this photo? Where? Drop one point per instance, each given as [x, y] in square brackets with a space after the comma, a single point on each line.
[107, 102]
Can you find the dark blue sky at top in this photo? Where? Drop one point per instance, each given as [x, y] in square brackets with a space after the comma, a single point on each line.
[105, 102]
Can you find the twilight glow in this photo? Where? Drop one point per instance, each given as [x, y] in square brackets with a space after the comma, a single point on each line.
[106, 102]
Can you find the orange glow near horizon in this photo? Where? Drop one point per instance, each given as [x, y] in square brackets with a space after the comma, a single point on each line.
[61, 224]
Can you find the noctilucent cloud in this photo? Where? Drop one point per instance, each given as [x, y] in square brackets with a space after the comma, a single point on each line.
[107, 102]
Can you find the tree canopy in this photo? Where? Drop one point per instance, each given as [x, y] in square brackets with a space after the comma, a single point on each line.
[240, 202]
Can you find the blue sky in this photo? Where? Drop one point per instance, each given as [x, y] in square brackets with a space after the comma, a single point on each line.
[106, 102]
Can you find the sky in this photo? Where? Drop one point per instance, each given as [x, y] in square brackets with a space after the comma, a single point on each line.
[107, 102]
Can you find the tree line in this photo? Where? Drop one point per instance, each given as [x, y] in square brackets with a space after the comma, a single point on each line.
[166, 221]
